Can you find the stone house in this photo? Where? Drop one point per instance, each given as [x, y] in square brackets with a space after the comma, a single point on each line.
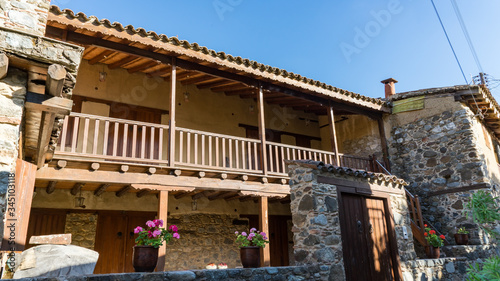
[106, 126]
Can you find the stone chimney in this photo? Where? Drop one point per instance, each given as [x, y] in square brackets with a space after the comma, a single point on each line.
[390, 89]
[25, 15]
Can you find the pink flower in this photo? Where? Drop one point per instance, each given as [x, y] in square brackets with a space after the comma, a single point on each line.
[244, 234]
[156, 232]
[236, 232]
[150, 224]
[138, 229]
[173, 227]
[250, 238]
[176, 235]
[150, 234]
[263, 235]
[158, 223]
[253, 229]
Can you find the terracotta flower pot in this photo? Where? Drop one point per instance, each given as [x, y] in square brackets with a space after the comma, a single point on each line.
[432, 252]
[144, 258]
[461, 239]
[250, 256]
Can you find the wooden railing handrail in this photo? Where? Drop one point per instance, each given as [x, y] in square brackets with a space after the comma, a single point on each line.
[314, 150]
[216, 135]
[117, 120]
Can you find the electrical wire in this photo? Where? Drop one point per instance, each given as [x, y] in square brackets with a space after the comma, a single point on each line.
[449, 42]
[466, 34]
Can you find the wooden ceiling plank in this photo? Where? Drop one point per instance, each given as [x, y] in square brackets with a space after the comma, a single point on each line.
[229, 88]
[122, 62]
[142, 66]
[216, 84]
[103, 55]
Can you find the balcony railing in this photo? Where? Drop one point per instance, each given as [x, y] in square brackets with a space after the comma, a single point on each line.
[118, 140]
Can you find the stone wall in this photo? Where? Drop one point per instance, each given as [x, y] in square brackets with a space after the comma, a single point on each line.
[12, 95]
[82, 227]
[439, 153]
[205, 238]
[27, 15]
[452, 269]
[364, 146]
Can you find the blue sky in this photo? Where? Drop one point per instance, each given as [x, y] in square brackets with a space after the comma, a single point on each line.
[348, 44]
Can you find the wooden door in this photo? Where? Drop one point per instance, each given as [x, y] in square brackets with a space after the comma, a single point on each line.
[365, 241]
[115, 240]
[45, 222]
[278, 240]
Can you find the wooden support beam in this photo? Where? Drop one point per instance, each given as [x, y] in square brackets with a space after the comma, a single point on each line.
[247, 198]
[249, 91]
[143, 66]
[122, 62]
[101, 189]
[151, 170]
[95, 166]
[51, 187]
[217, 195]
[143, 192]
[201, 174]
[223, 176]
[124, 168]
[177, 173]
[199, 78]
[383, 143]
[123, 190]
[4, 65]
[162, 215]
[264, 227]
[57, 105]
[216, 84]
[262, 131]
[180, 195]
[77, 187]
[234, 87]
[45, 131]
[171, 128]
[244, 177]
[264, 180]
[333, 135]
[61, 164]
[202, 194]
[233, 197]
[56, 74]
[99, 57]
[283, 181]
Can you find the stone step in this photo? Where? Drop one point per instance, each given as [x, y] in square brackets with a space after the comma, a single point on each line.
[471, 252]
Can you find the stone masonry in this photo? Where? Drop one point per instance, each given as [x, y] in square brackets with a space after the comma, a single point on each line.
[26, 15]
[82, 227]
[367, 145]
[439, 153]
[205, 238]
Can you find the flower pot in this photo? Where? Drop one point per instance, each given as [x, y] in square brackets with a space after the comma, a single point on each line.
[461, 239]
[144, 258]
[432, 252]
[250, 256]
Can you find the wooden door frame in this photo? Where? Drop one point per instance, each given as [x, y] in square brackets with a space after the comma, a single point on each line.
[360, 189]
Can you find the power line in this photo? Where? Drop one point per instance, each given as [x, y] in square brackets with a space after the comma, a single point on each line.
[449, 42]
[466, 34]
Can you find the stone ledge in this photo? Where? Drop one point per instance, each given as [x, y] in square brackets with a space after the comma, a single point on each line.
[471, 252]
[310, 272]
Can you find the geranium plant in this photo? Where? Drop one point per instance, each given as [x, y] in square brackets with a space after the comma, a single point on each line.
[432, 238]
[462, 230]
[154, 235]
[254, 238]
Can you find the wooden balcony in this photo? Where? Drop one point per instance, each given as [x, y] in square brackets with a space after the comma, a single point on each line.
[110, 140]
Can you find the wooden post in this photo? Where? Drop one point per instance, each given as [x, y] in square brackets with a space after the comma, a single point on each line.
[262, 131]
[56, 74]
[333, 135]
[162, 215]
[383, 142]
[171, 128]
[265, 259]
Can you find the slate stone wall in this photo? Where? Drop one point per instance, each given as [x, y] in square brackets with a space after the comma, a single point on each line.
[452, 269]
[82, 227]
[27, 15]
[440, 153]
[205, 238]
[364, 146]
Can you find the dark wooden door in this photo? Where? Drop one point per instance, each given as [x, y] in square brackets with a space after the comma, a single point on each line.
[278, 240]
[365, 243]
[115, 240]
[45, 222]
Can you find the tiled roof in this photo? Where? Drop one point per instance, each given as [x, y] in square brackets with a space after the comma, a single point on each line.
[432, 91]
[249, 64]
[347, 171]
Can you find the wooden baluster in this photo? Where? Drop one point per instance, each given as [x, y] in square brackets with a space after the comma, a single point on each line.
[152, 143]
[210, 151]
[270, 155]
[125, 140]
[143, 142]
[288, 153]
[249, 155]
[134, 141]
[236, 154]
[419, 213]
[195, 148]
[310, 155]
[203, 150]
[160, 148]
[75, 134]
[243, 154]
[181, 142]
[230, 150]
[217, 162]
[85, 135]
[188, 147]
[106, 138]
[115, 138]
[64, 133]
[282, 159]
[255, 156]
[223, 152]
[276, 154]
[96, 136]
